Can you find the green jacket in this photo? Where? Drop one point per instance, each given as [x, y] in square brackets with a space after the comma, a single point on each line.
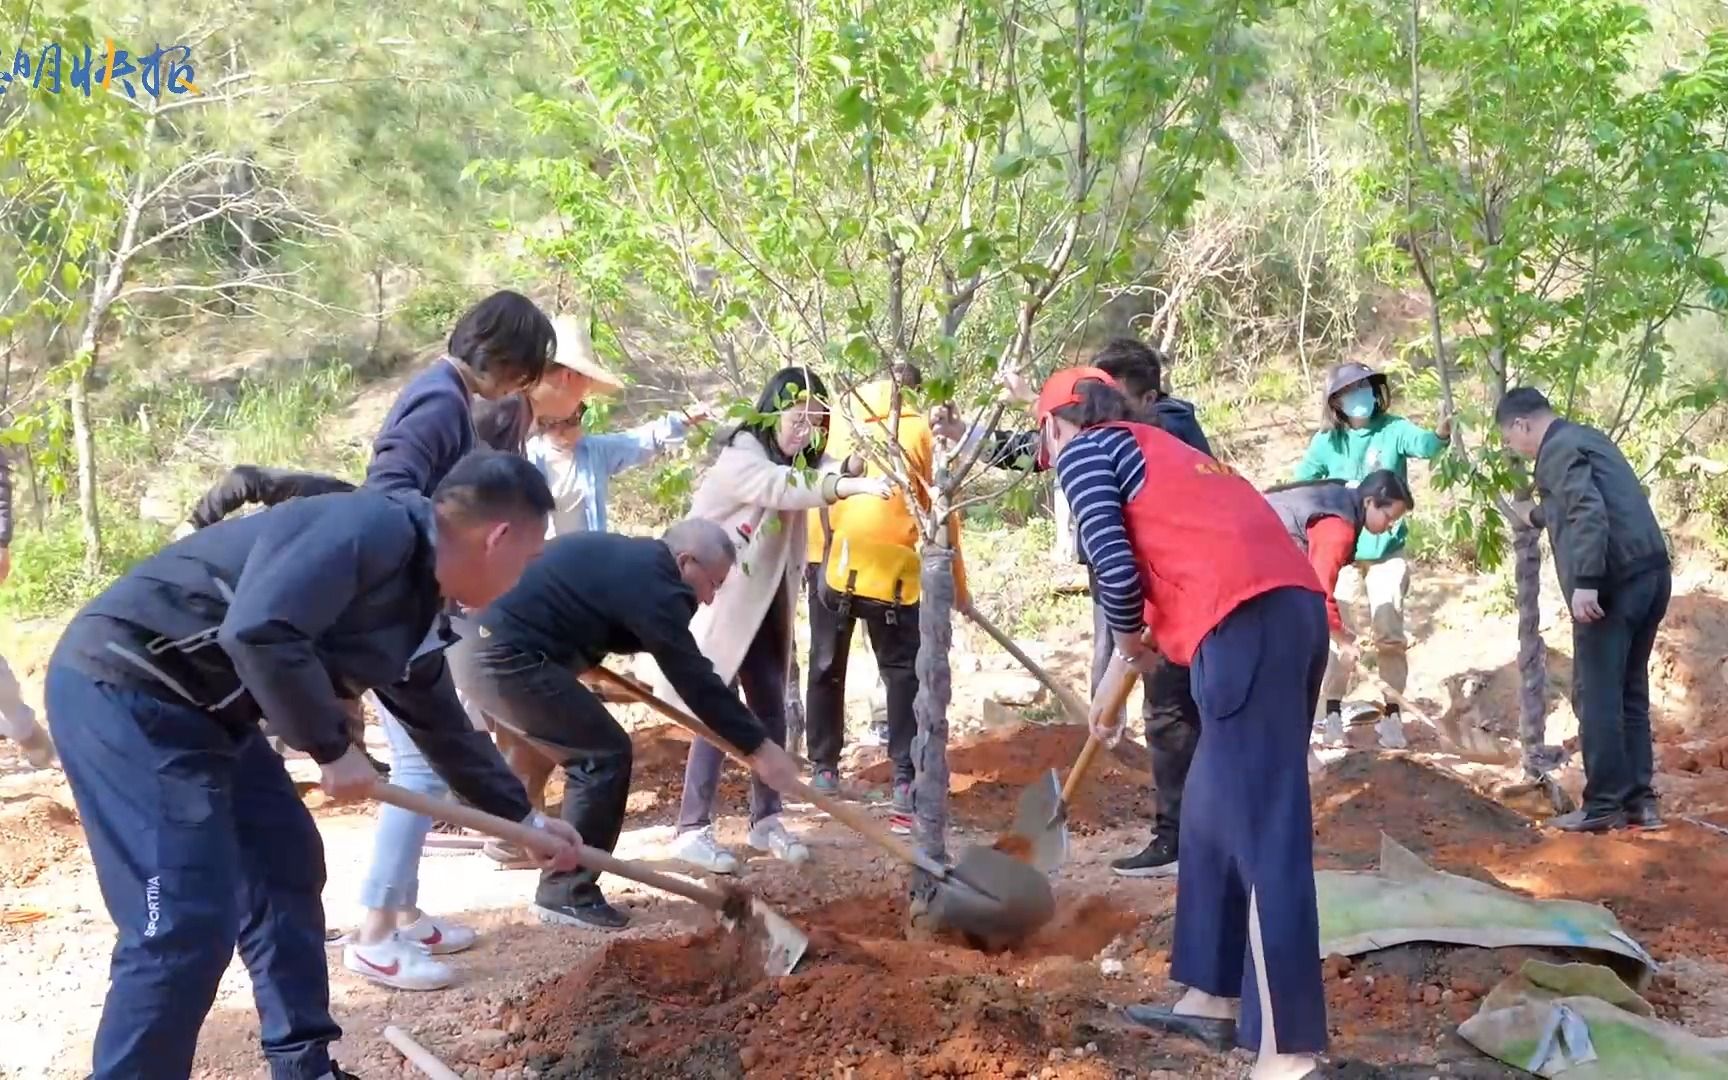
[1388, 442]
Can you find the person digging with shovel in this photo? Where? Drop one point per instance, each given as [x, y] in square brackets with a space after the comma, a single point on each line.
[199, 839]
[590, 596]
[1193, 564]
[1327, 519]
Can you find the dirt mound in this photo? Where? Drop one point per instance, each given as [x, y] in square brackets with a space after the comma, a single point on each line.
[988, 772]
[864, 997]
[36, 832]
[1424, 809]
[1664, 887]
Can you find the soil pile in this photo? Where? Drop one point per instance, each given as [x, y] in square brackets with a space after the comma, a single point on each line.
[1665, 887]
[864, 999]
[988, 772]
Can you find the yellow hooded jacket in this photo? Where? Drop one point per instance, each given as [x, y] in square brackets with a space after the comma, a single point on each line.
[877, 539]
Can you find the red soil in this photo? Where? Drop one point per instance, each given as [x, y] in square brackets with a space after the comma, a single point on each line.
[988, 773]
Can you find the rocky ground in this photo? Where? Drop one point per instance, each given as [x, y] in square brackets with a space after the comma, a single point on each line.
[673, 996]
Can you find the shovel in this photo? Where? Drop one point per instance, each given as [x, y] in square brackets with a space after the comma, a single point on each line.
[784, 943]
[988, 894]
[1041, 816]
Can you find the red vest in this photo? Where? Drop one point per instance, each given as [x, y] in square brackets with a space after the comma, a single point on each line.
[1206, 542]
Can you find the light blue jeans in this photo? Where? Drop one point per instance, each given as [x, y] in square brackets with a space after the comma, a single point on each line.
[393, 881]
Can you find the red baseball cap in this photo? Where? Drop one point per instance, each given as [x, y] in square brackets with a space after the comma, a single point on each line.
[1063, 388]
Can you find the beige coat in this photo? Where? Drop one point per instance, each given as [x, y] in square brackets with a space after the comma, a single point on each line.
[744, 488]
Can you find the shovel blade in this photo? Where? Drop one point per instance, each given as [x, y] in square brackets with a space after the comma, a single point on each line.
[1041, 821]
[994, 897]
[784, 944]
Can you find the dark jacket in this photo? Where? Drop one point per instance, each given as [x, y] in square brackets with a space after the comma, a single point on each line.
[1598, 518]
[1300, 505]
[255, 484]
[282, 614]
[427, 431]
[1018, 450]
[594, 595]
[504, 424]
[5, 501]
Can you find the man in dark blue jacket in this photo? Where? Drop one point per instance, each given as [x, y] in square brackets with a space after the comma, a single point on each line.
[155, 693]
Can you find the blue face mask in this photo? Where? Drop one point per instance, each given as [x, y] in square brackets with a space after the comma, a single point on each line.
[1358, 403]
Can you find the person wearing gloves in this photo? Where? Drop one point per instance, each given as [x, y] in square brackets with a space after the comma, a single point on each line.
[155, 692]
[759, 489]
[590, 596]
[1193, 565]
[1359, 435]
[1615, 572]
[17, 719]
[1327, 519]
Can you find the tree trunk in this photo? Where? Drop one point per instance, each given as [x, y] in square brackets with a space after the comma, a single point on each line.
[84, 439]
[1532, 654]
[930, 747]
[378, 319]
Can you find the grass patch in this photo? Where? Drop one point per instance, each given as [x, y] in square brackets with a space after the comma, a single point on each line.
[48, 573]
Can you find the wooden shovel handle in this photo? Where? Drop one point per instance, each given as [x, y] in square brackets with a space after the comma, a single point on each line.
[418, 1056]
[1072, 705]
[853, 818]
[536, 840]
[1113, 690]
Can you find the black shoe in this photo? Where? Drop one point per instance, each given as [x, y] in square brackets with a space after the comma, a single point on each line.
[588, 914]
[1586, 821]
[1220, 1035]
[1157, 860]
[337, 1072]
[1645, 817]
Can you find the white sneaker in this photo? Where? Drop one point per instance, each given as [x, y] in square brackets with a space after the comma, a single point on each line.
[1391, 731]
[699, 848]
[1332, 733]
[770, 835]
[437, 936]
[397, 963]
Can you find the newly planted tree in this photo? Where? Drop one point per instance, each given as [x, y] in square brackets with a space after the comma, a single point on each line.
[845, 187]
[1559, 217]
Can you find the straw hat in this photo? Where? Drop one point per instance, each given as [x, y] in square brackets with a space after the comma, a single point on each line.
[576, 352]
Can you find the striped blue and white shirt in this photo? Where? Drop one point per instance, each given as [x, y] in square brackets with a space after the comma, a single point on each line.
[1100, 470]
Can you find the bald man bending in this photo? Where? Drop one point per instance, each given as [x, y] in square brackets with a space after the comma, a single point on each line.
[589, 596]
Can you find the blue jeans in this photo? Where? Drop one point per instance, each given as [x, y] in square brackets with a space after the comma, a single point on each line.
[393, 881]
[200, 843]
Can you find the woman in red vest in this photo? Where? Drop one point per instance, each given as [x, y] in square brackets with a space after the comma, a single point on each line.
[1191, 562]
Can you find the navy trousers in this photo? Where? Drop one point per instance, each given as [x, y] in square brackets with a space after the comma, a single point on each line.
[200, 843]
[1247, 829]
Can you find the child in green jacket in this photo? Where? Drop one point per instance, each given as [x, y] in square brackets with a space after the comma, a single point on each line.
[1362, 435]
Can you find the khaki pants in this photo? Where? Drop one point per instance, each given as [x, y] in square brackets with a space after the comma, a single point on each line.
[1384, 585]
[17, 720]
